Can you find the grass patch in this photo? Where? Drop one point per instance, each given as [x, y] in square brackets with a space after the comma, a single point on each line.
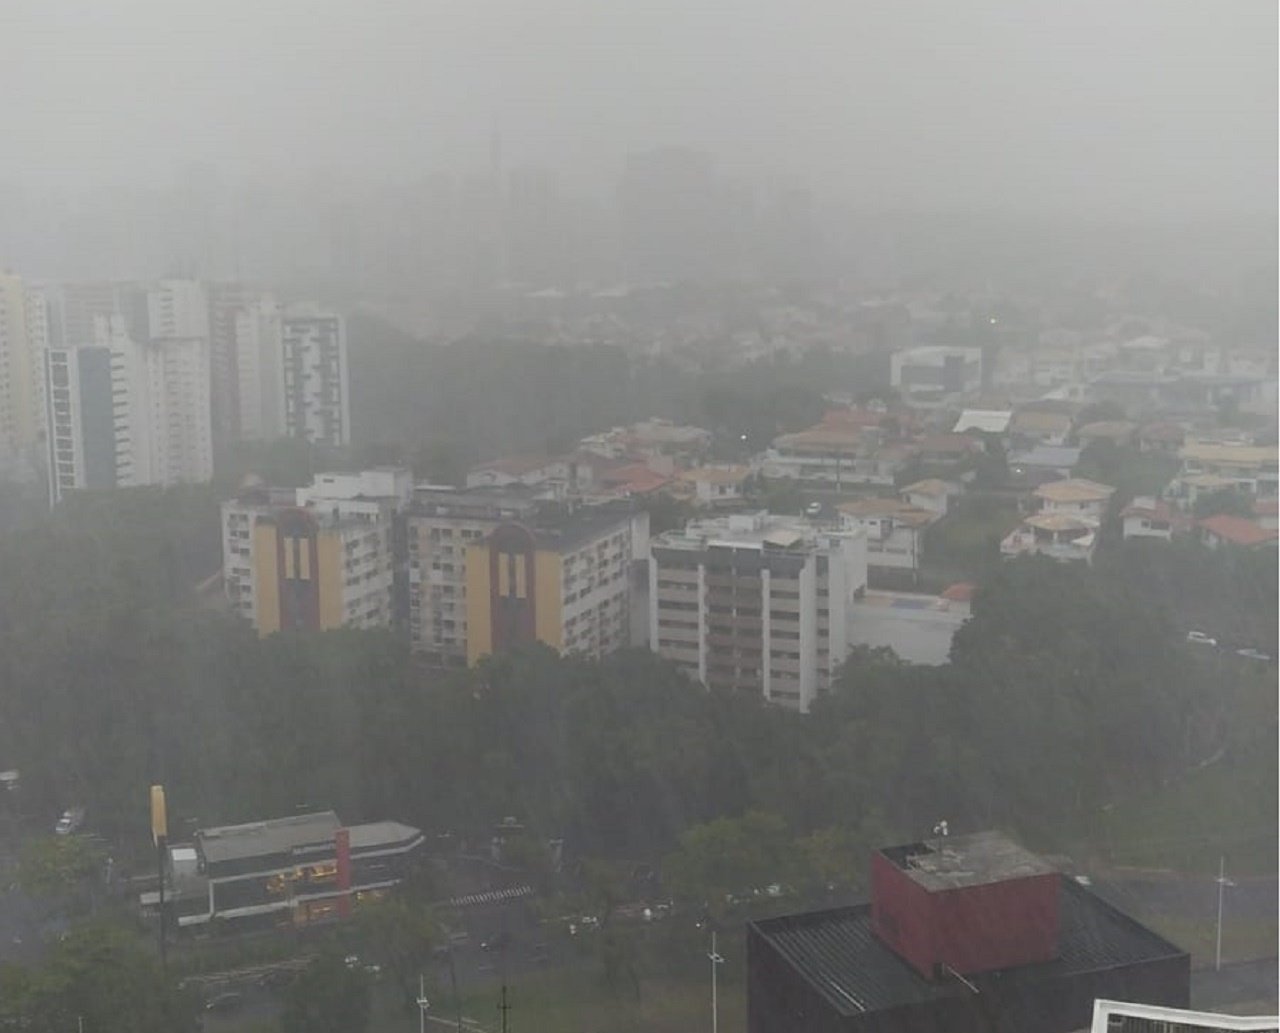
[1228, 808]
[566, 1000]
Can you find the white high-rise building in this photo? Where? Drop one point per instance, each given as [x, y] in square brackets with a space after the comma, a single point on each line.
[314, 377]
[756, 603]
[123, 413]
[23, 340]
[259, 364]
[131, 426]
[180, 431]
[178, 308]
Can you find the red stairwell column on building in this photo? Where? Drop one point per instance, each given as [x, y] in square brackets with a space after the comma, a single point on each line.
[342, 845]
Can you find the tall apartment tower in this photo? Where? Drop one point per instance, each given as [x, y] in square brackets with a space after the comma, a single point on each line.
[314, 383]
[756, 603]
[177, 403]
[227, 303]
[258, 340]
[178, 308]
[98, 434]
[81, 435]
[122, 412]
[24, 336]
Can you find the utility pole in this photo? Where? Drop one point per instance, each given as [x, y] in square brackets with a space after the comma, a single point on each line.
[160, 833]
[716, 960]
[1222, 882]
[504, 1007]
[423, 1005]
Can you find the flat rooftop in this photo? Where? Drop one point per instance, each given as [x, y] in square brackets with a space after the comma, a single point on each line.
[836, 952]
[265, 838]
[972, 860]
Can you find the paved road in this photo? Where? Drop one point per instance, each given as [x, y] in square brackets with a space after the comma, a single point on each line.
[1194, 897]
[1244, 982]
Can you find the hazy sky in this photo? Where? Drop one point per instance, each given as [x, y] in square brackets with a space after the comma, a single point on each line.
[1156, 105]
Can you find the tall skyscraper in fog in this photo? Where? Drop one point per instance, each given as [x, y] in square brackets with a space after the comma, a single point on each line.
[23, 339]
[258, 336]
[672, 216]
[314, 384]
[125, 412]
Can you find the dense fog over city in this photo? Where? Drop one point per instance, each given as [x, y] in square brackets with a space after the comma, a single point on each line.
[555, 516]
[996, 119]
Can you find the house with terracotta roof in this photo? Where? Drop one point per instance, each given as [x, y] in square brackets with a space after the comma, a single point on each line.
[633, 479]
[1162, 436]
[959, 597]
[1253, 468]
[931, 494]
[943, 449]
[1147, 517]
[1232, 531]
[1074, 497]
[1060, 536]
[1037, 427]
[1118, 432]
[835, 456]
[717, 486]
[894, 530]
[501, 473]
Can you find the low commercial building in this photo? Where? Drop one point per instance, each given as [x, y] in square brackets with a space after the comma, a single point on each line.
[756, 603]
[964, 934]
[289, 872]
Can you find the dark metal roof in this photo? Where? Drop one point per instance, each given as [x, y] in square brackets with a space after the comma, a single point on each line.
[836, 952]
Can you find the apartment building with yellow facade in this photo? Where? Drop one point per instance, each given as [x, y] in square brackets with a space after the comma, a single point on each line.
[317, 558]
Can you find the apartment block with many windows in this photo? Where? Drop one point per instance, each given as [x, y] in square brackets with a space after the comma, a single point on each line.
[572, 579]
[441, 524]
[756, 603]
[321, 557]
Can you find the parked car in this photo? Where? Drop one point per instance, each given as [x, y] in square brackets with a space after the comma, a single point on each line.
[1199, 638]
[71, 821]
[231, 1000]
[813, 509]
[1254, 654]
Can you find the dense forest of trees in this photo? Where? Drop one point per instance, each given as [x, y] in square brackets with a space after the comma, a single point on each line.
[444, 407]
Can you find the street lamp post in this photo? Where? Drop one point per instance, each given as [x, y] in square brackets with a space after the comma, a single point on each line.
[716, 961]
[1222, 882]
[423, 1004]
